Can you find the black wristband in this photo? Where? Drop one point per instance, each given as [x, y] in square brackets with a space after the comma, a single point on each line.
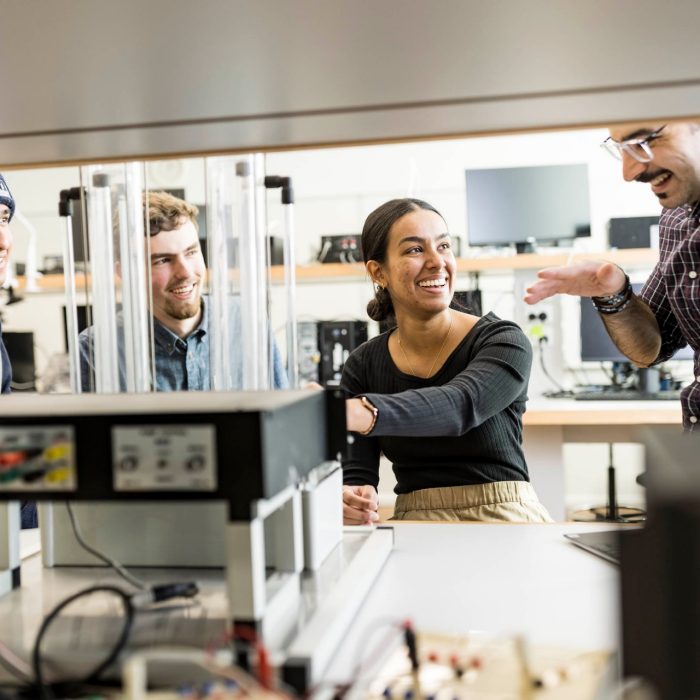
[613, 303]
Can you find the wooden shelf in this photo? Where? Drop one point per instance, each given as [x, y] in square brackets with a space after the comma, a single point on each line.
[323, 272]
[633, 257]
[54, 283]
[599, 413]
[333, 272]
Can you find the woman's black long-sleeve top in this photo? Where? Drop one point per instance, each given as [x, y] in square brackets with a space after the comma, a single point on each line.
[462, 426]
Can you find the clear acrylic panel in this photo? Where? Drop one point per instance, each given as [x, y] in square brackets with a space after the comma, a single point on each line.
[115, 352]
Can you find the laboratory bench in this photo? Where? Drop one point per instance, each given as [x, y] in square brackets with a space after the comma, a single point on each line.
[498, 581]
[549, 424]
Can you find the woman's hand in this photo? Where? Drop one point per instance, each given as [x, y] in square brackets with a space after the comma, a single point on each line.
[360, 505]
[358, 418]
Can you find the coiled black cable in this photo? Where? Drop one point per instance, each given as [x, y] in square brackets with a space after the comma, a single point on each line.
[44, 689]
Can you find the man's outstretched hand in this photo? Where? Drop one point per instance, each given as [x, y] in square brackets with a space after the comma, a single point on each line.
[590, 278]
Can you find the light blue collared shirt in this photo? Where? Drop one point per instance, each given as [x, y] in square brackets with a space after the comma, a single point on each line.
[183, 364]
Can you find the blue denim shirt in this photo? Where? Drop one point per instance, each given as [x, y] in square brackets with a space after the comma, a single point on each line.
[183, 364]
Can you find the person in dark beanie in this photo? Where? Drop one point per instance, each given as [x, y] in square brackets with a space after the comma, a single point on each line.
[7, 210]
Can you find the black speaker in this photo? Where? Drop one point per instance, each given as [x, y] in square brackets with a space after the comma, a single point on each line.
[631, 231]
[336, 340]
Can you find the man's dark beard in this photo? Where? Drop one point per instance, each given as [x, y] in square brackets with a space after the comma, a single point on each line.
[182, 313]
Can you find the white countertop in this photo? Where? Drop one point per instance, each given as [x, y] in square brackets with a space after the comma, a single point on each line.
[499, 579]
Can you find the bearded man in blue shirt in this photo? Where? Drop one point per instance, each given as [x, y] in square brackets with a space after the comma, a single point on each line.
[179, 309]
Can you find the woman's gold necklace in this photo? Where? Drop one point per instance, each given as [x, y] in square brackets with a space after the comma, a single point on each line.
[439, 352]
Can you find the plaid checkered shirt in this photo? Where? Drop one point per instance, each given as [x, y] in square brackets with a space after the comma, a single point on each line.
[673, 294]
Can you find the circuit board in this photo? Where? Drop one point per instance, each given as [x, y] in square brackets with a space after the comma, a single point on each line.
[476, 668]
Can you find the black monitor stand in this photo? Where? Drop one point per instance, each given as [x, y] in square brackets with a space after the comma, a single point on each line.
[524, 247]
[648, 380]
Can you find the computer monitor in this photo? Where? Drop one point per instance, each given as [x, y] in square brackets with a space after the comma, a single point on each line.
[596, 345]
[20, 350]
[521, 205]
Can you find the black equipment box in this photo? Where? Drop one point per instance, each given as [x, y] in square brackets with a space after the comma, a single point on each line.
[232, 446]
[632, 232]
[340, 249]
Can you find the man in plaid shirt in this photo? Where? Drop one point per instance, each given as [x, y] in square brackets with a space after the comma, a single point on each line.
[665, 316]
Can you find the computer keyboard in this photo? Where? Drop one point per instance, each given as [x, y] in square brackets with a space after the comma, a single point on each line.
[605, 544]
[626, 395]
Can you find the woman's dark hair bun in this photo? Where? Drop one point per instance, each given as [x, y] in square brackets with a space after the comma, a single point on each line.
[380, 308]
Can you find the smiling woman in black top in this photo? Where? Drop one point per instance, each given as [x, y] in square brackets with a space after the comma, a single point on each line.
[442, 394]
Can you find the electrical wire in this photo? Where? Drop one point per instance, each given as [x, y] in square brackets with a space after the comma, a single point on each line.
[131, 604]
[368, 659]
[324, 251]
[540, 344]
[222, 668]
[262, 680]
[365, 660]
[45, 690]
[581, 371]
[113, 563]
[608, 373]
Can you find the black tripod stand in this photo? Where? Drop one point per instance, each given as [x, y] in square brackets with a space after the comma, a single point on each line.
[612, 512]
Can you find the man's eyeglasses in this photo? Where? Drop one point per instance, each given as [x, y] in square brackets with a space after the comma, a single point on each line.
[639, 149]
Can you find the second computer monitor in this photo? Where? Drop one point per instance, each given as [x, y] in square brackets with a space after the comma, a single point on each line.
[596, 345]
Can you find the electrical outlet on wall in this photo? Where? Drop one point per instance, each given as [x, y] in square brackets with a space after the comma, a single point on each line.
[539, 324]
[542, 326]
